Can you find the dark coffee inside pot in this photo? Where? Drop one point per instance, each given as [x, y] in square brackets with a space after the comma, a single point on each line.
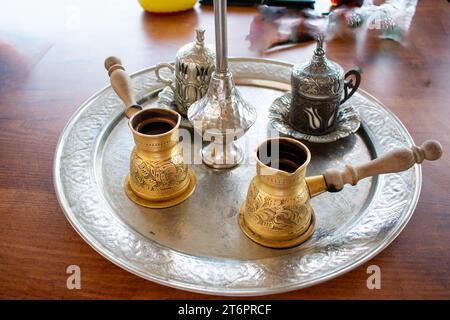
[281, 155]
[154, 121]
[156, 127]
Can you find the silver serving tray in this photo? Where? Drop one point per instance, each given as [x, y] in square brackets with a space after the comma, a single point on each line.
[198, 245]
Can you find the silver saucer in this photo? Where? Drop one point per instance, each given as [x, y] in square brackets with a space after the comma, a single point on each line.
[348, 121]
[166, 99]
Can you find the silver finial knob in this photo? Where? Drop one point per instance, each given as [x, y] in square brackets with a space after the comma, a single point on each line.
[319, 51]
[200, 35]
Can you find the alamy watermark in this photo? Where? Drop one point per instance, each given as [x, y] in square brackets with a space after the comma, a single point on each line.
[374, 280]
[74, 278]
[73, 17]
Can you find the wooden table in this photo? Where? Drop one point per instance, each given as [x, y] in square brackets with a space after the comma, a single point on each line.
[54, 54]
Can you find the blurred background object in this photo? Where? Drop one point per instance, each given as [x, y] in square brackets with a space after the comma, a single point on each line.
[275, 26]
[298, 4]
[167, 6]
[18, 54]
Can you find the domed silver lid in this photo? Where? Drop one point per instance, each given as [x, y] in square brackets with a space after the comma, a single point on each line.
[196, 53]
[319, 78]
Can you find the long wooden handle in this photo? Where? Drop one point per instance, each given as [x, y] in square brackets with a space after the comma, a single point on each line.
[121, 83]
[394, 161]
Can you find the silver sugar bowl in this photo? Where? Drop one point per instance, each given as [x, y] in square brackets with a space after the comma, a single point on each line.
[319, 87]
[194, 64]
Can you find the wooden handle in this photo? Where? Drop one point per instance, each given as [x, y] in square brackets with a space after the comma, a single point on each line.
[394, 161]
[121, 83]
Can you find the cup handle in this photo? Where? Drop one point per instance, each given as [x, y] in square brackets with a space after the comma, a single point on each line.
[160, 66]
[395, 161]
[350, 87]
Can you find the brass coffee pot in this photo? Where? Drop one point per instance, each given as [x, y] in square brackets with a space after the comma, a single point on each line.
[277, 213]
[159, 176]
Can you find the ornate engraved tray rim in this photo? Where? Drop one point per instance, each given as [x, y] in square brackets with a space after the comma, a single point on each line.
[222, 276]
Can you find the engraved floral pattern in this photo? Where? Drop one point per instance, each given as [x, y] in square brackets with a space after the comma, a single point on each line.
[191, 84]
[158, 175]
[274, 214]
[318, 77]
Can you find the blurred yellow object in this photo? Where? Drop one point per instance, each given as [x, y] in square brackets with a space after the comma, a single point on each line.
[167, 5]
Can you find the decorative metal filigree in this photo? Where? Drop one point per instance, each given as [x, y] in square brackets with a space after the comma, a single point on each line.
[158, 175]
[276, 214]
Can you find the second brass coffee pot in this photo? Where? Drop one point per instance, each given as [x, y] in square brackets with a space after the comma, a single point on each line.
[277, 212]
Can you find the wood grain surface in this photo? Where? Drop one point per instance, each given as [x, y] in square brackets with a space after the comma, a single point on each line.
[51, 60]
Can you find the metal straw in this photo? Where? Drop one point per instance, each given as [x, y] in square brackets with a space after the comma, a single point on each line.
[220, 16]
